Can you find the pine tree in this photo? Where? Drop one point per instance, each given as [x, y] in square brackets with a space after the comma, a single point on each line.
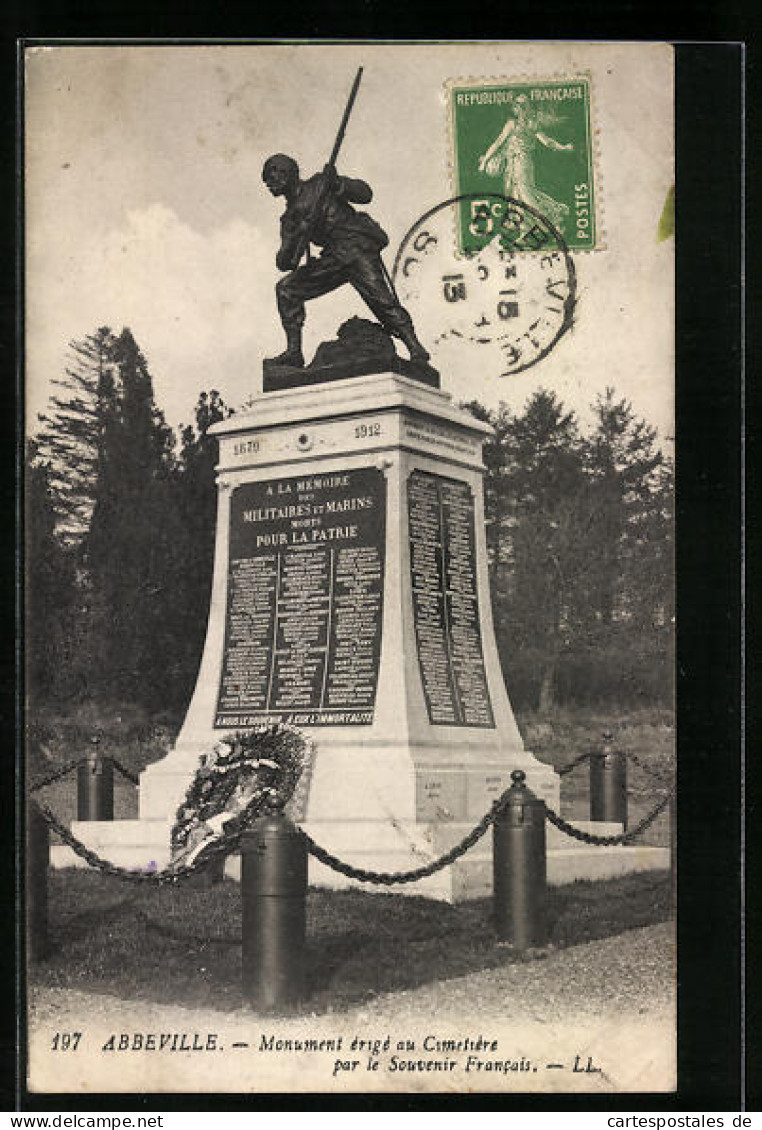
[580, 548]
[50, 594]
[649, 576]
[74, 431]
[128, 546]
[545, 483]
[627, 630]
[195, 507]
[623, 464]
[109, 456]
[496, 506]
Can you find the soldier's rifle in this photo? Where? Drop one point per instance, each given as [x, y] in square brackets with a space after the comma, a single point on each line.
[311, 222]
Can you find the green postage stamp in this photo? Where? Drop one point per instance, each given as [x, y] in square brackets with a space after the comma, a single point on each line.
[530, 140]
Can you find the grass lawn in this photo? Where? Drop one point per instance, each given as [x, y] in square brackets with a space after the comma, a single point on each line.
[182, 945]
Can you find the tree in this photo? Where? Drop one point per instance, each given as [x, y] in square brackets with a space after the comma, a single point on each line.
[545, 482]
[649, 577]
[195, 506]
[623, 466]
[50, 594]
[496, 499]
[74, 431]
[129, 542]
[133, 524]
[579, 535]
[108, 453]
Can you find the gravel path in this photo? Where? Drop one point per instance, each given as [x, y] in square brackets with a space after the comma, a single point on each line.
[608, 1005]
[632, 974]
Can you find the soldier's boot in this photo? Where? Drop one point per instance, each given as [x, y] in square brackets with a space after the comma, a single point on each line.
[414, 347]
[292, 356]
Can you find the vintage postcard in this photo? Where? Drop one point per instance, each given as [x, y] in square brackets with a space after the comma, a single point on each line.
[350, 415]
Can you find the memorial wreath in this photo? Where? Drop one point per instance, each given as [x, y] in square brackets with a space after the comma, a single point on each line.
[243, 773]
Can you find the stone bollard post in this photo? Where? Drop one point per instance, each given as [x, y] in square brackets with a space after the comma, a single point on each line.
[37, 865]
[520, 868]
[608, 784]
[95, 786]
[273, 892]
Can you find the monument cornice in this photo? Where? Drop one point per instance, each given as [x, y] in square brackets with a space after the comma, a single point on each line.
[384, 392]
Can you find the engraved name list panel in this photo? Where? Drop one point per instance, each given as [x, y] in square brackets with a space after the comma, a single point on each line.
[445, 601]
[305, 593]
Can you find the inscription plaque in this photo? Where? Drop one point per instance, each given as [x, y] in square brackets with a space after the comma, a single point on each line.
[440, 797]
[445, 601]
[305, 593]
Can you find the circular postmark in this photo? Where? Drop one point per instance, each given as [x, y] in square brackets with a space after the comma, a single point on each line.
[486, 272]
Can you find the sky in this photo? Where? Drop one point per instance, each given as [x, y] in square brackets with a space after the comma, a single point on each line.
[145, 206]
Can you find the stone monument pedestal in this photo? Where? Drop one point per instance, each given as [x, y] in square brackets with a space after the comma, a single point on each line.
[350, 598]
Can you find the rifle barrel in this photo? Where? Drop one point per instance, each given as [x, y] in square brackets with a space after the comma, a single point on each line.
[345, 119]
[304, 242]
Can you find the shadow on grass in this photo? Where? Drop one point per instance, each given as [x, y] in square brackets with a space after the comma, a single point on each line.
[182, 945]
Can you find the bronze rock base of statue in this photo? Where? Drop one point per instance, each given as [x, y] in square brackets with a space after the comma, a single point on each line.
[361, 348]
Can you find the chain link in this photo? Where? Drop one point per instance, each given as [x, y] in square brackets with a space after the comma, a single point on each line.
[56, 775]
[128, 776]
[573, 764]
[608, 841]
[71, 765]
[225, 846]
[646, 768]
[564, 769]
[389, 878]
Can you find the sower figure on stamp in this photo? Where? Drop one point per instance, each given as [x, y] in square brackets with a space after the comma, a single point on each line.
[319, 211]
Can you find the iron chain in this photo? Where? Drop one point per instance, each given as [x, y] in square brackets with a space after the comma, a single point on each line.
[128, 776]
[230, 842]
[573, 764]
[646, 768]
[607, 841]
[71, 765]
[564, 769]
[389, 878]
[56, 775]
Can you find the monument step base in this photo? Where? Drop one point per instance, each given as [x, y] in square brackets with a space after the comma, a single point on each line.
[121, 833]
[143, 845]
[140, 845]
[133, 858]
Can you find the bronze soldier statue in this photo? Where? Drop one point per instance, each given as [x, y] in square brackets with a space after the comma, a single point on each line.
[319, 211]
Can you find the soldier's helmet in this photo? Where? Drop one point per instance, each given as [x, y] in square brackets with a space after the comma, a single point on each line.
[280, 163]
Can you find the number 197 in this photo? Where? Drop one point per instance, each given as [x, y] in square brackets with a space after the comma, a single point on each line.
[66, 1041]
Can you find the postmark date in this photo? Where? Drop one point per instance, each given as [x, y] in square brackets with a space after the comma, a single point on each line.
[512, 305]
